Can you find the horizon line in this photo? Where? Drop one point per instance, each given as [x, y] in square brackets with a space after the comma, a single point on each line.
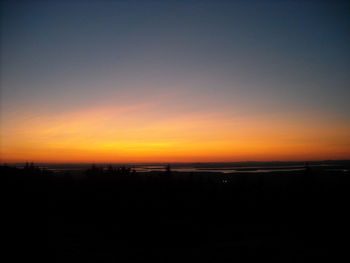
[162, 162]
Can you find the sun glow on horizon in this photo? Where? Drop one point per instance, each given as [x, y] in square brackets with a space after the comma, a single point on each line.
[139, 133]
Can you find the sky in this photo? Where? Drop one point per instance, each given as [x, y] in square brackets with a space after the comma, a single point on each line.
[174, 81]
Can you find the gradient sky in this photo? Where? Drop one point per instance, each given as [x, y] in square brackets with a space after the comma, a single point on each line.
[162, 81]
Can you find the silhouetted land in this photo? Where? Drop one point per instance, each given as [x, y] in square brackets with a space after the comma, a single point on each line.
[118, 215]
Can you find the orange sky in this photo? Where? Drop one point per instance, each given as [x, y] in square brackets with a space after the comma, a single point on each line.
[174, 82]
[138, 133]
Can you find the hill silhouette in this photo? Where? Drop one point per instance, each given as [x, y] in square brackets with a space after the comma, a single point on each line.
[114, 214]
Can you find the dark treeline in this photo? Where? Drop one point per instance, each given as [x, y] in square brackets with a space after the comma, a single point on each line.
[114, 214]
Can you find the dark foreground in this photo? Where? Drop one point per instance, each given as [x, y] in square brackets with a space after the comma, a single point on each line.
[116, 215]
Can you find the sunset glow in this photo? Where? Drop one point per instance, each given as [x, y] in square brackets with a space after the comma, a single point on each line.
[138, 134]
[118, 82]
